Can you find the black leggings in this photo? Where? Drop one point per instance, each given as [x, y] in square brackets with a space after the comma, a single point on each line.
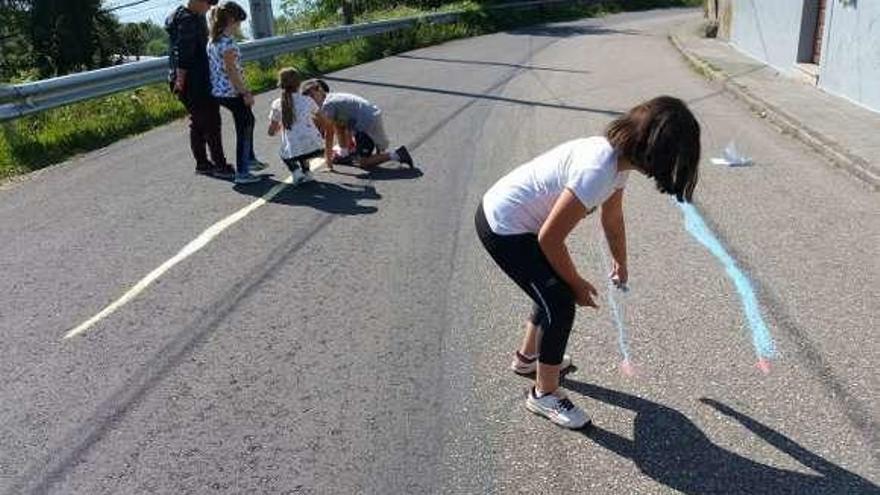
[302, 161]
[521, 258]
[244, 132]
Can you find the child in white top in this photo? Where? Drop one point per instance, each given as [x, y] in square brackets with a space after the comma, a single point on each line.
[297, 118]
[525, 218]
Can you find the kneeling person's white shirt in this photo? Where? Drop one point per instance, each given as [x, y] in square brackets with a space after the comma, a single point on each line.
[521, 201]
[303, 137]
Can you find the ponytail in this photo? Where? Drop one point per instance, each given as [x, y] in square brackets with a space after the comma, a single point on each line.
[288, 81]
[288, 115]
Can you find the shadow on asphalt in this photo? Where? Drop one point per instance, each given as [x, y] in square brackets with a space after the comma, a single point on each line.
[670, 448]
[382, 174]
[570, 30]
[480, 96]
[462, 61]
[341, 199]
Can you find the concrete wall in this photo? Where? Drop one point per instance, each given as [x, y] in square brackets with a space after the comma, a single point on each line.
[769, 30]
[850, 65]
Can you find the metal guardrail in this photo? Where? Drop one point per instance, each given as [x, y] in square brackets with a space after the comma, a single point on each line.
[29, 98]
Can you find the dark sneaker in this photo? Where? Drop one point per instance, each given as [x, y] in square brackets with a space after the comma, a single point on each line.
[248, 179]
[257, 166]
[404, 157]
[223, 172]
[204, 168]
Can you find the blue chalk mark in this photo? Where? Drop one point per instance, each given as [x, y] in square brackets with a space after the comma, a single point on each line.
[761, 339]
[615, 309]
[618, 321]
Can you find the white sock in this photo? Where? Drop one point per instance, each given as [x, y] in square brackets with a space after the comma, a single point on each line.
[394, 156]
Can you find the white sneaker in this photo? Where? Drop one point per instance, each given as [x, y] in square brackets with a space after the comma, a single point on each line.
[298, 177]
[557, 408]
[522, 365]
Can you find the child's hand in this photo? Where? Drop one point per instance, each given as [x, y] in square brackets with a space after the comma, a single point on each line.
[248, 99]
[583, 294]
[619, 275]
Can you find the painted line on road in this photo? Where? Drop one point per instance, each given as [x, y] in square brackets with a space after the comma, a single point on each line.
[194, 246]
[761, 338]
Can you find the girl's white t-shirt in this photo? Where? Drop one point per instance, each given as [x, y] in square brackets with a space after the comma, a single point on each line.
[521, 201]
[303, 137]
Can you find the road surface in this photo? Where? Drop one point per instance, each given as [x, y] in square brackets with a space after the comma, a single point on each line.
[353, 337]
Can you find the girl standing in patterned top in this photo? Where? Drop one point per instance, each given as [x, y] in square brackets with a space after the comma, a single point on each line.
[297, 117]
[228, 86]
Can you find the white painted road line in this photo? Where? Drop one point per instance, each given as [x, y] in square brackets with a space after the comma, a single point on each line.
[194, 246]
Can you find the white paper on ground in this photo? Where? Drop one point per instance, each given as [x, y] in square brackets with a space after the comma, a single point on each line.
[732, 157]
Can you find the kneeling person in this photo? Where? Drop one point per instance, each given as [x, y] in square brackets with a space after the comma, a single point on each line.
[351, 114]
[297, 118]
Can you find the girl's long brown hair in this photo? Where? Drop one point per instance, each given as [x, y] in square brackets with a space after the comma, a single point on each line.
[222, 15]
[288, 81]
[661, 137]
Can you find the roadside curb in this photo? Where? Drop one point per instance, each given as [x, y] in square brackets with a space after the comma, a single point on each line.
[830, 149]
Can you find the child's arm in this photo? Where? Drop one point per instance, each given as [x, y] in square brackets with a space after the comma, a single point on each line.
[230, 59]
[565, 215]
[615, 232]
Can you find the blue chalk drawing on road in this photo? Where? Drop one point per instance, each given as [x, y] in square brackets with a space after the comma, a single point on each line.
[617, 314]
[761, 338]
[618, 320]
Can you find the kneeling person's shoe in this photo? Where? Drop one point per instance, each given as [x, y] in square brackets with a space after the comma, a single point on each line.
[557, 408]
[403, 156]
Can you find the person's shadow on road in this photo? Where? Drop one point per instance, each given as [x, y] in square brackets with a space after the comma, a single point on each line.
[669, 448]
[340, 199]
[379, 173]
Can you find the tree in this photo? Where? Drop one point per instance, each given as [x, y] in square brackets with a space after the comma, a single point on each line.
[134, 40]
[72, 35]
[15, 48]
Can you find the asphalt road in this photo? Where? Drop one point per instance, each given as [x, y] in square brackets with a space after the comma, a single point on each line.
[352, 336]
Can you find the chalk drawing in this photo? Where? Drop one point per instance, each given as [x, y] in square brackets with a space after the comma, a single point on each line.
[762, 341]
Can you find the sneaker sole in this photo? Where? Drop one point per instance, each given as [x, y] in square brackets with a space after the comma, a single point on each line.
[537, 411]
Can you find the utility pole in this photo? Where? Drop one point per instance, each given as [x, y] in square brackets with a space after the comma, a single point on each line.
[262, 20]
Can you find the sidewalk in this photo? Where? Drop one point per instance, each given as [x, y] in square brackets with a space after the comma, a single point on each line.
[845, 133]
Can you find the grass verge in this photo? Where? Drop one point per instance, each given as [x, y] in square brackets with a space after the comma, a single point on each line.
[36, 141]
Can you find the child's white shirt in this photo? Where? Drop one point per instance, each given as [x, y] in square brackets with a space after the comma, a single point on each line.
[303, 137]
[521, 201]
